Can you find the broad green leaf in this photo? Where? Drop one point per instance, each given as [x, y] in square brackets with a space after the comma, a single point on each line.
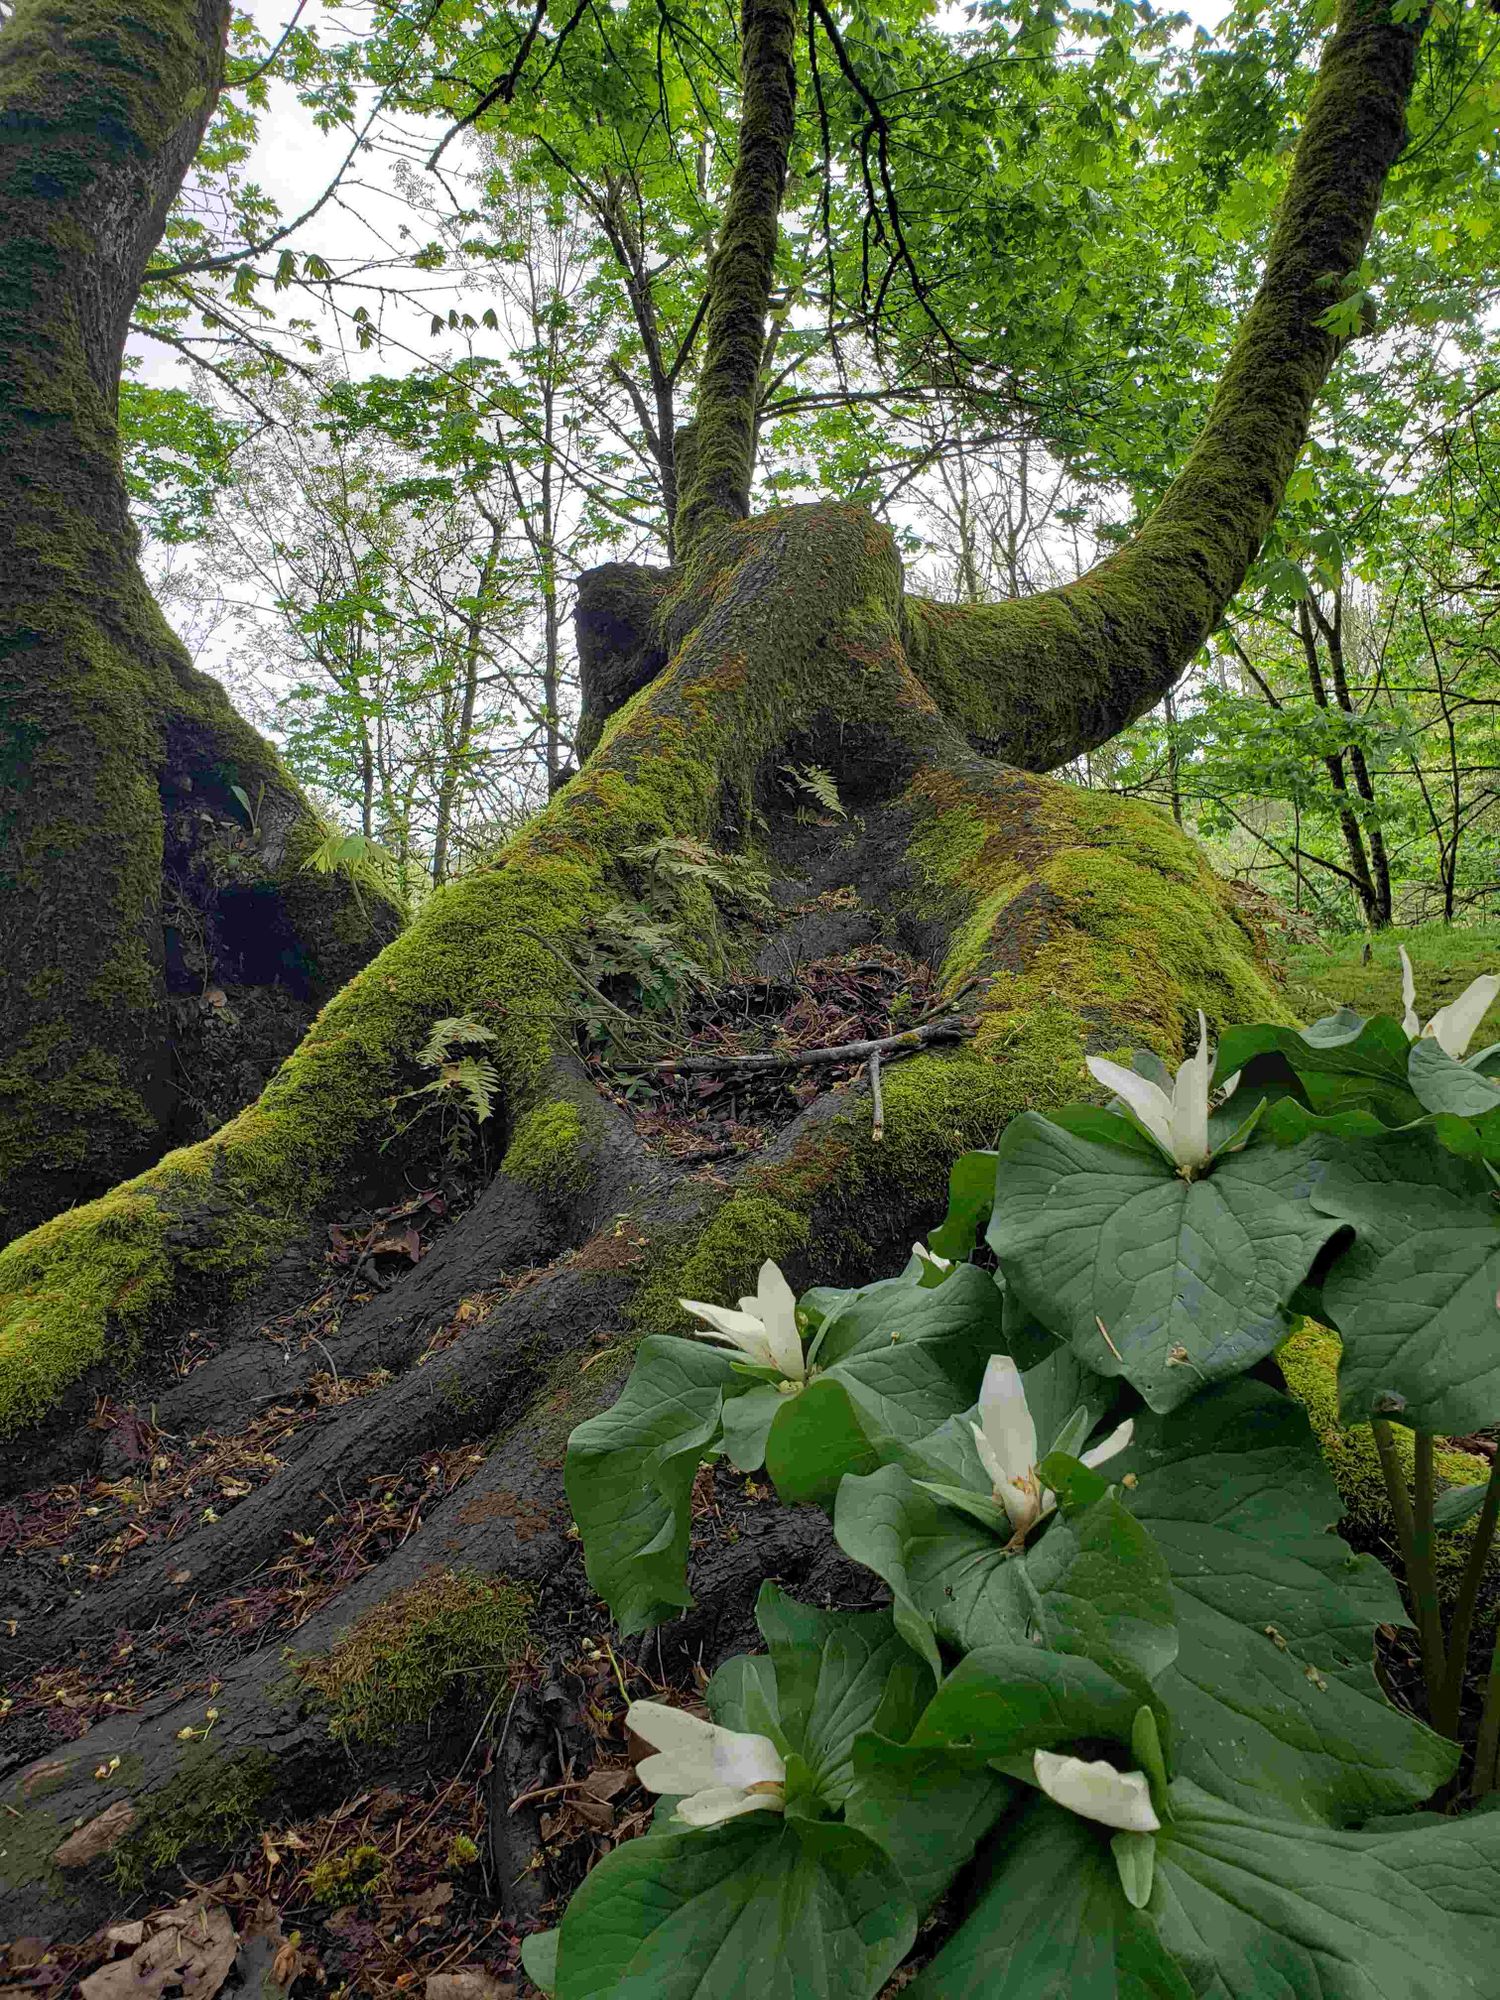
[1415, 1297]
[1051, 1923]
[838, 1673]
[1441, 1083]
[1273, 1696]
[539, 1957]
[746, 1419]
[629, 1477]
[1342, 1043]
[928, 1812]
[1241, 1908]
[1171, 1283]
[1459, 1504]
[971, 1196]
[1002, 1700]
[893, 1362]
[760, 1908]
[1249, 1906]
[1094, 1586]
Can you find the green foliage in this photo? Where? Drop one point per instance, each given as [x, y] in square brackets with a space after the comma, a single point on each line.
[1169, 1600]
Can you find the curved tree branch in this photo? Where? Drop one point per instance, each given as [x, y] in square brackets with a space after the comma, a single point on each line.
[1042, 679]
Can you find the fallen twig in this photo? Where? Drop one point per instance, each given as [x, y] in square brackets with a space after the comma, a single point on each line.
[887, 1047]
[877, 1102]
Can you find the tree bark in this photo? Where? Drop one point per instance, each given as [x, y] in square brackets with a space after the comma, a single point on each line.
[1070, 921]
[108, 737]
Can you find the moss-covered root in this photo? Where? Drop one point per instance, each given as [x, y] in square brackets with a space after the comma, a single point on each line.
[1092, 924]
[1310, 1363]
[391, 1670]
[747, 668]
[1043, 678]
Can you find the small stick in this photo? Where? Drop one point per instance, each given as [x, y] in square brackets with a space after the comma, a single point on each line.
[906, 1043]
[877, 1125]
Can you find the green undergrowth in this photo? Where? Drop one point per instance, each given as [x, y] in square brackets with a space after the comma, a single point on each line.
[404, 1657]
[1309, 1361]
[211, 1801]
[1445, 958]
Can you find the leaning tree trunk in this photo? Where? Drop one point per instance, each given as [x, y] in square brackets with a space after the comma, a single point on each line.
[148, 836]
[1069, 922]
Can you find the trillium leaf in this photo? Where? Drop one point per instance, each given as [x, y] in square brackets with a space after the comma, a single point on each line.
[1273, 1697]
[971, 1196]
[1241, 1907]
[1051, 1923]
[1415, 1297]
[894, 1361]
[1341, 1044]
[1094, 1586]
[1003, 1701]
[760, 1908]
[746, 1419]
[1441, 1083]
[838, 1673]
[1186, 1278]
[629, 1476]
[928, 1812]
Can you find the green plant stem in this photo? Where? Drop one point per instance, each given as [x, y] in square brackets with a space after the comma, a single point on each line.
[1423, 1577]
[1429, 1630]
[1460, 1630]
[1487, 1750]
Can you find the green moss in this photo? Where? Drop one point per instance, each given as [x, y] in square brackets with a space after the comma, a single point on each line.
[398, 1663]
[547, 1153]
[348, 1877]
[463, 1852]
[1309, 1361]
[211, 1801]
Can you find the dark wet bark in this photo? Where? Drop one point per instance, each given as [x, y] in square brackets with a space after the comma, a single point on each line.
[105, 727]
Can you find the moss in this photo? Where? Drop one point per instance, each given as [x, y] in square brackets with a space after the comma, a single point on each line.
[211, 1801]
[1040, 679]
[1309, 1361]
[29, 1837]
[463, 1852]
[398, 1663]
[547, 1153]
[347, 1878]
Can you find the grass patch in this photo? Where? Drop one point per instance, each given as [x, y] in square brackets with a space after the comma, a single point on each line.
[1444, 957]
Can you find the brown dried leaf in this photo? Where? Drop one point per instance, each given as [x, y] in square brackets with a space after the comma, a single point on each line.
[101, 1833]
[190, 1952]
[469, 1986]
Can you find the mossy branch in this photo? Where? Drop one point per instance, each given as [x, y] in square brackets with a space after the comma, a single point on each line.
[1044, 678]
[718, 489]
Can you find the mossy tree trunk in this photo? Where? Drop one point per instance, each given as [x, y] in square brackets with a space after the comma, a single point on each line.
[1084, 922]
[127, 781]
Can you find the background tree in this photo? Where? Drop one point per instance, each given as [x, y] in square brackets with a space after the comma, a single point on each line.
[120, 768]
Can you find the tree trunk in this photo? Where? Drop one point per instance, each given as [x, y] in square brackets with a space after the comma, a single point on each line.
[1062, 921]
[125, 776]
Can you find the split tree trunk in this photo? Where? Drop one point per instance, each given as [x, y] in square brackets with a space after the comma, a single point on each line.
[126, 778]
[1083, 921]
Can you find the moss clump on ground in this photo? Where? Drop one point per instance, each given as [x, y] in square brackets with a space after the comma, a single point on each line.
[211, 1801]
[348, 1877]
[395, 1665]
[1309, 1362]
[547, 1152]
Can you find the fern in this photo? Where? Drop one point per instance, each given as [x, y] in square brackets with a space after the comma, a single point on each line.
[734, 876]
[474, 1078]
[818, 784]
[455, 1031]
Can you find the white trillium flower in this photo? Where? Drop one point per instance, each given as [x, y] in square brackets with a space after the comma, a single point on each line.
[1006, 1440]
[1098, 1791]
[1451, 1027]
[720, 1773]
[1177, 1122]
[921, 1251]
[765, 1327]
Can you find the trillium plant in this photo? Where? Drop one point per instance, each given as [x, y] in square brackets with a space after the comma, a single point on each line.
[1114, 1725]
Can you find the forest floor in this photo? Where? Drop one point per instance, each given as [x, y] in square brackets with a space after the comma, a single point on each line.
[393, 1889]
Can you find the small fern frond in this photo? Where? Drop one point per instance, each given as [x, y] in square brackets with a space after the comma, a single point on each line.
[819, 784]
[456, 1031]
